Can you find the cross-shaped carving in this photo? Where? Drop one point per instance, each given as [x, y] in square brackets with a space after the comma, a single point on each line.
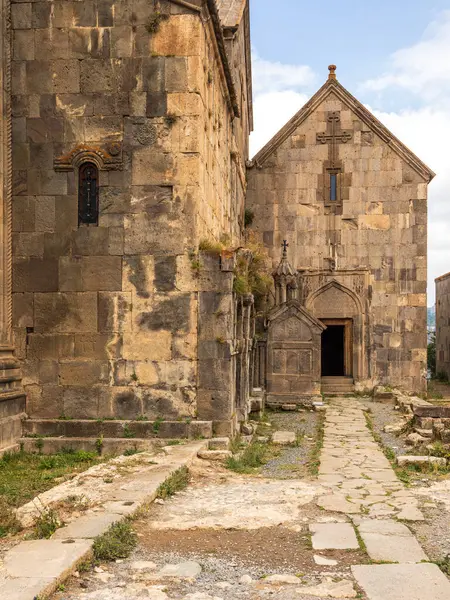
[285, 246]
[333, 136]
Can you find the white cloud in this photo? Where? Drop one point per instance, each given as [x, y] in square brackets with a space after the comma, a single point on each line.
[279, 94]
[275, 76]
[425, 131]
[271, 112]
[281, 90]
[423, 68]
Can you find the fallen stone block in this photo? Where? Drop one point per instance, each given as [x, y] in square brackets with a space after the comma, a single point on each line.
[214, 454]
[282, 579]
[420, 460]
[395, 428]
[289, 407]
[414, 439]
[284, 438]
[425, 433]
[222, 443]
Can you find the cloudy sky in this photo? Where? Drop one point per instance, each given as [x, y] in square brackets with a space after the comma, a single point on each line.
[394, 55]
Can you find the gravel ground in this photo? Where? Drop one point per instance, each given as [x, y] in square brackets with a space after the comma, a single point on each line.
[384, 414]
[216, 571]
[434, 533]
[292, 462]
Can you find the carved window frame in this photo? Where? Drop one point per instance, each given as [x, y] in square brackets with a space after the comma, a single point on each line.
[88, 193]
[327, 191]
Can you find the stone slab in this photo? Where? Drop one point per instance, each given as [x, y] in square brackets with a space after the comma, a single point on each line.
[283, 438]
[44, 558]
[24, 588]
[393, 548]
[421, 460]
[324, 562]
[338, 503]
[382, 527]
[188, 569]
[333, 536]
[87, 527]
[402, 582]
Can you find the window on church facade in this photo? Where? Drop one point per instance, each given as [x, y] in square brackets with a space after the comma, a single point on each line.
[333, 187]
[88, 194]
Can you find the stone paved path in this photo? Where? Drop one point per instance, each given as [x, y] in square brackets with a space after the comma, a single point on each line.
[229, 537]
[363, 486]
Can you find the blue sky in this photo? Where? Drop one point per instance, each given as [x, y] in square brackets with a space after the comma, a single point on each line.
[394, 55]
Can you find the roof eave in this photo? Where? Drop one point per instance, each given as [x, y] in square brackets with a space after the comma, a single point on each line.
[365, 115]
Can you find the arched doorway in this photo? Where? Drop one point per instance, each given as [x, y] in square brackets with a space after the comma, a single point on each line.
[341, 311]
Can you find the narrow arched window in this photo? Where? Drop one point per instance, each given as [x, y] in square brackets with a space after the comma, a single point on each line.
[88, 194]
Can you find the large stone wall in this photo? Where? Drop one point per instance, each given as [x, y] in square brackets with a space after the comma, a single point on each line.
[12, 399]
[443, 325]
[380, 227]
[106, 317]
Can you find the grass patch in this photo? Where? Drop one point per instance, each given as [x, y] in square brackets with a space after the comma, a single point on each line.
[314, 457]
[255, 455]
[46, 525]
[118, 542]
[24, 475]
[444, 565]
[8, 521]
[176, 482]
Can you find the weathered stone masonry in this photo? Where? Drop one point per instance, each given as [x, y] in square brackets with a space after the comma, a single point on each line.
[352, 202]
[12, 399]
[106, 317]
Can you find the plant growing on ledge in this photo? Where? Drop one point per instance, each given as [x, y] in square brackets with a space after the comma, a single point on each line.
[252, 270]
[249, 216]
[154, 21]
[211, 247]
[170, 119]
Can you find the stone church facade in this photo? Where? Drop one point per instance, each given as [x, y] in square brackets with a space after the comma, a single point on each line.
[124, 136]
[351, 200]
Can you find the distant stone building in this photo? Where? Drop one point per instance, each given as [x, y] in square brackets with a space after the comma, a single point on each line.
[443, 325]
[351, 200]
[131, 296]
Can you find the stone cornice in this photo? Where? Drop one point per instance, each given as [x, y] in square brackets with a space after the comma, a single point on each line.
[332, 86]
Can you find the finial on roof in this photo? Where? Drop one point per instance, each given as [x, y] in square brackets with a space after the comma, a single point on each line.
[332, 69]
[285, 246]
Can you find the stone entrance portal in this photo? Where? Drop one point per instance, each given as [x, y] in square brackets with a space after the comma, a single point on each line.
[336, 352]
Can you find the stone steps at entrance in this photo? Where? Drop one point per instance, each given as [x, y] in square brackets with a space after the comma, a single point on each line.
[113, 446]
[337, 385]
[87, 431]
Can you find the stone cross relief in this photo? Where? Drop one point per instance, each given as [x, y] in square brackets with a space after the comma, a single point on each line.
[333, 136]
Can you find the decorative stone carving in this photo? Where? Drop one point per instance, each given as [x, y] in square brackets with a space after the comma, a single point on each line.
[294, 345]
[145, 133]
[333, 136]
[107, 158]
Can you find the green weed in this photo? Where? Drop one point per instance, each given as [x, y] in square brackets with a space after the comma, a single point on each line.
[314, 457]
[173, 484]
[47, 523]
[254, 456]
[116, 543]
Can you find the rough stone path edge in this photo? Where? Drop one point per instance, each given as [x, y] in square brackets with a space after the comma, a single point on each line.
[26, 578]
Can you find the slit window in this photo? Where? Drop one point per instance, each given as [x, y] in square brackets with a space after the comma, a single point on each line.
[333, 187]
[88, 192]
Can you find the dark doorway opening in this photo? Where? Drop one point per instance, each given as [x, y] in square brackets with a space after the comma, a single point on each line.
[333, 351]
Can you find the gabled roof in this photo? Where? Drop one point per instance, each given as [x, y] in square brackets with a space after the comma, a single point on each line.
[294, 308]
[231, 12]
[332, 86]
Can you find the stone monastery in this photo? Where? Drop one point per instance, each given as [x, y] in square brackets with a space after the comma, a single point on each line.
[155, 282]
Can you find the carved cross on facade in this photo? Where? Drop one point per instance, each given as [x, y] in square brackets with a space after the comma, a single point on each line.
[285, 246]
[333, 136]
